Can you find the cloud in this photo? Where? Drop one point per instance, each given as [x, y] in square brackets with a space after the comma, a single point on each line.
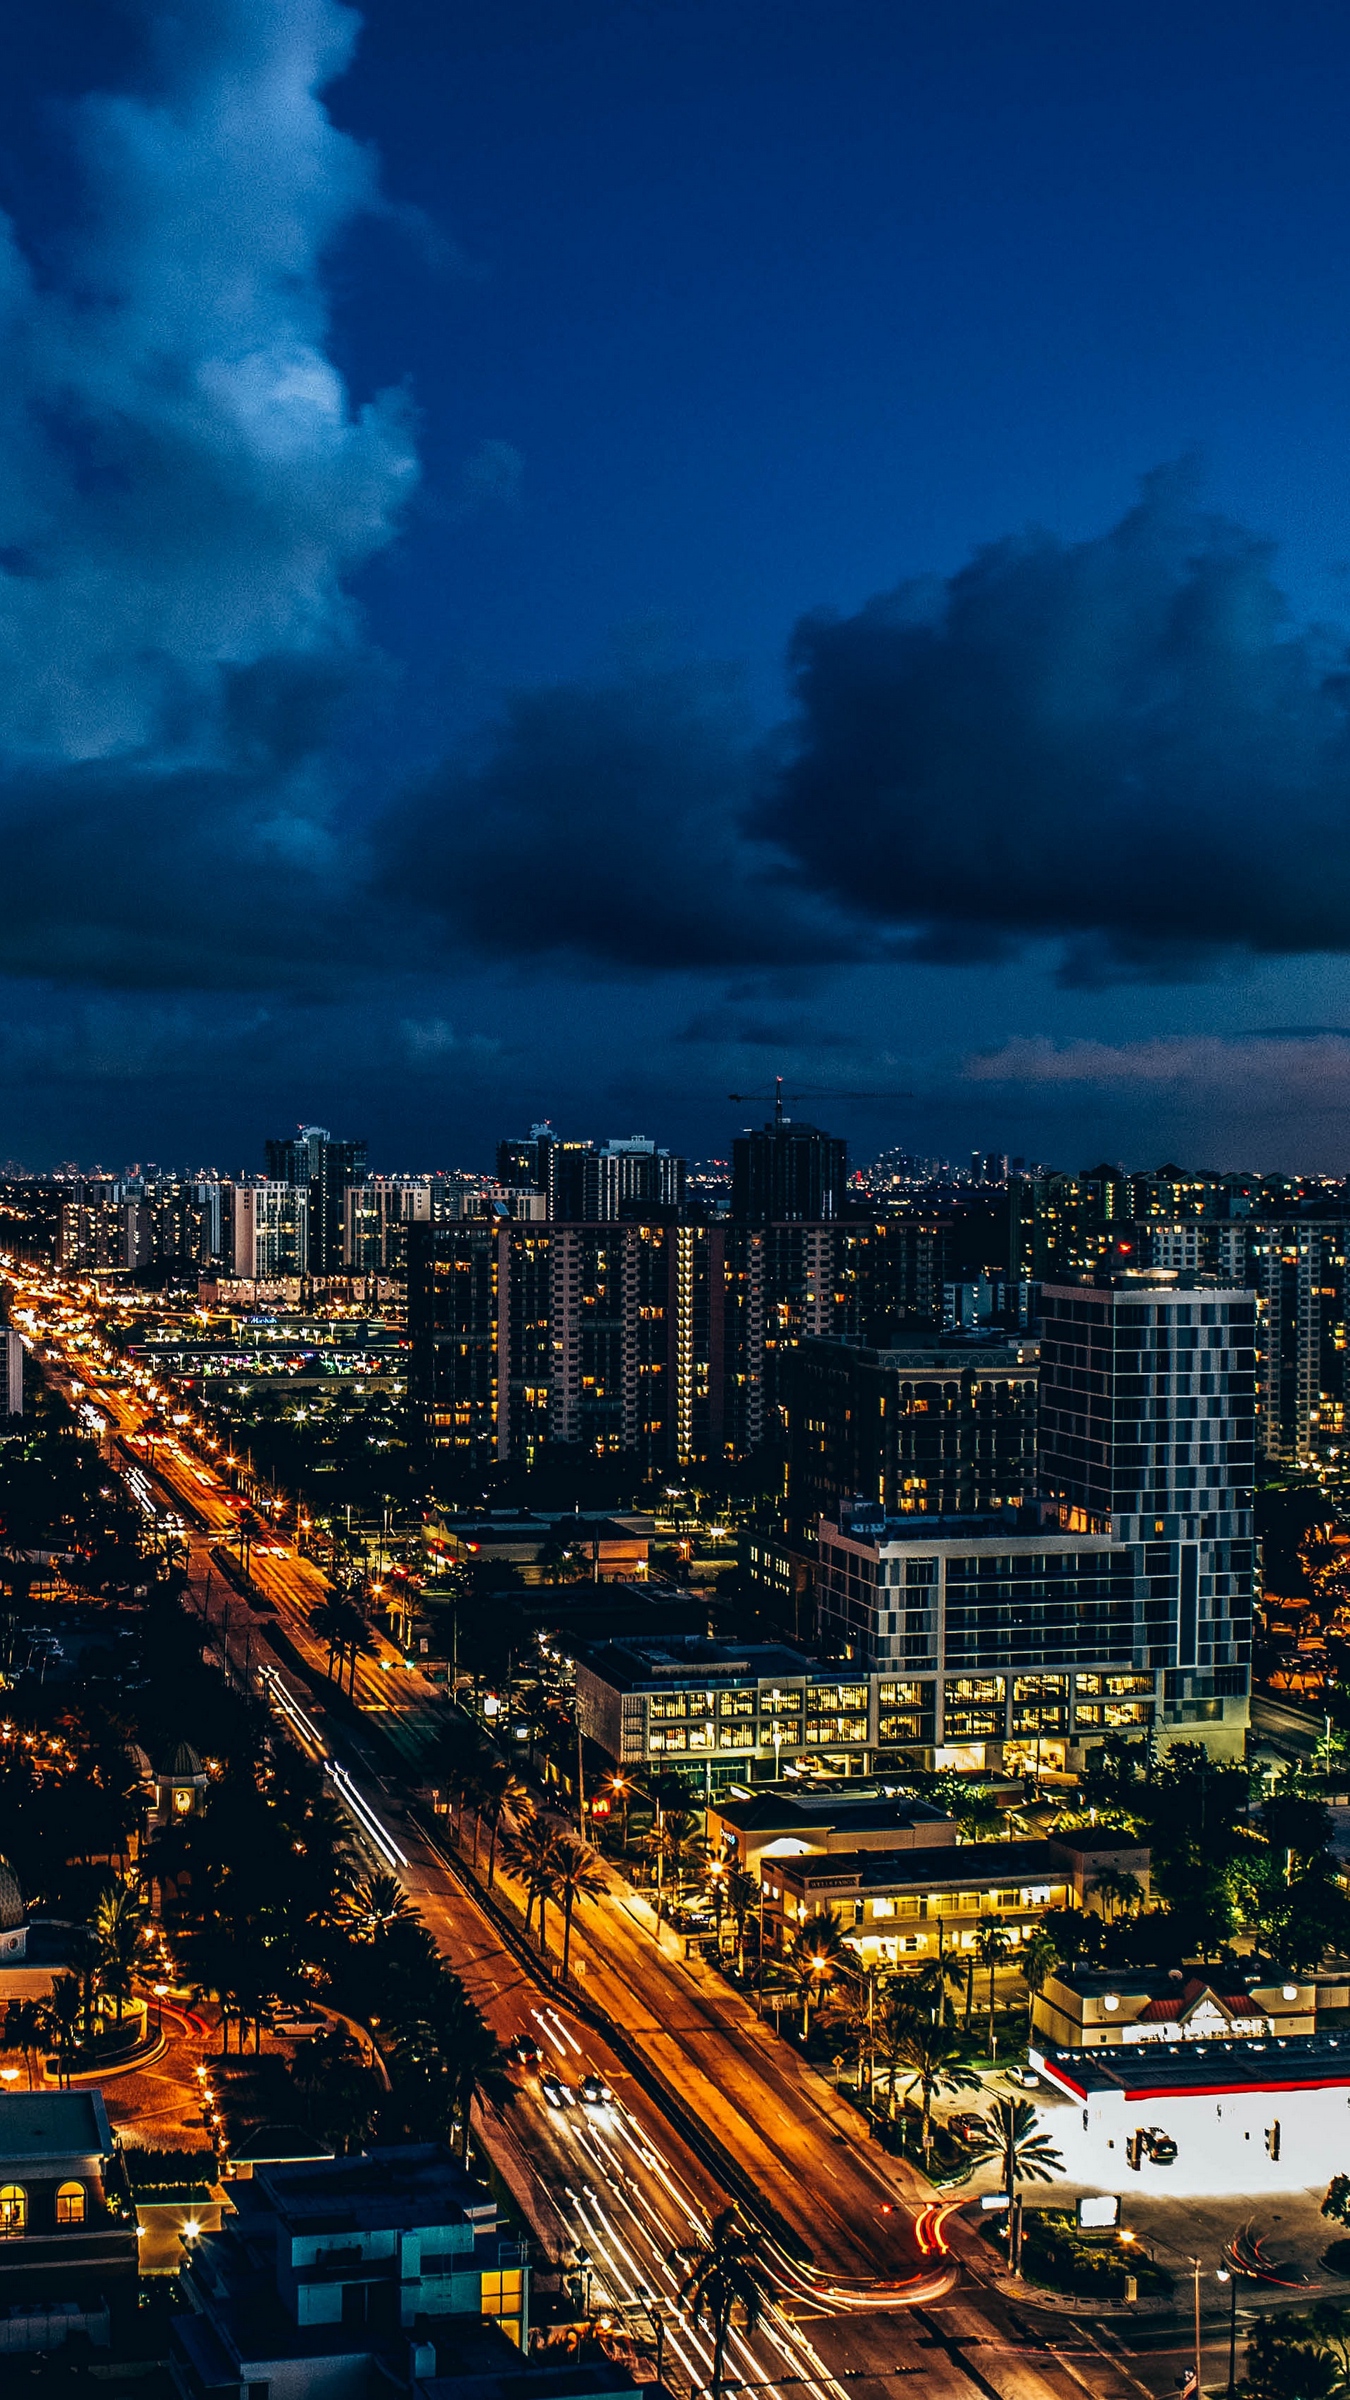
[1122, 746]
[608, 822]
[1122, 742]
[1295, 1072]
[184, 486]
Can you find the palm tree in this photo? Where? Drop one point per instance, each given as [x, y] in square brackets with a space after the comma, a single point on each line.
[328, 1618]
[816, 1955]
[377, 1902]
[504, 1794]
[119, 1922]
[992, 1946]
[742, 1896]
[718, 2277]
[674, 1841]
[1117, 1889]
[477, 2068]
[1025, 2154]
[530, 1850]
[577, 1876]
[26, 2029]
[64, 2015]
[936, 2062]
[1038, 1961]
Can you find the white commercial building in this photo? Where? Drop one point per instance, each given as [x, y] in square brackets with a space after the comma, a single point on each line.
[1235, 2116]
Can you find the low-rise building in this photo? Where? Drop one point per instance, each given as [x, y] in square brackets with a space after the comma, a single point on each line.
[67, 2223]
[334, 2269]
[1084, 2008]
[739, 1712]
[607, 1549]
[918, 1904]
[793, 1820]
[1216, 2116]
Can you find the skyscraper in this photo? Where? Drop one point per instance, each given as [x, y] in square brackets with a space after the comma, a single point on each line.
[1148, 1429]
[325, 1169]
[786, 1172]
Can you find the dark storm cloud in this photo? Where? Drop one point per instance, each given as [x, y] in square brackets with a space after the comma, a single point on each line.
[609, 823]
[184, 486]
[1121, 742]
[1121, 745]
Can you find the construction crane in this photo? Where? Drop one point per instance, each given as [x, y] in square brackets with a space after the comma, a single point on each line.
[809, 1091]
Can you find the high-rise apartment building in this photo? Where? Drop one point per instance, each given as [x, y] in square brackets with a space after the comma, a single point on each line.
[267, 1228]
[376, 1215]
[1148, 1430]
[324, 1169]
[1299, 1270]
[583, 1185]
[786, 1173]
[926, 1428]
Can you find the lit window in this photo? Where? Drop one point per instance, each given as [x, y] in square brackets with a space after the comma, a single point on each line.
[13, 2208]
[70, 2204]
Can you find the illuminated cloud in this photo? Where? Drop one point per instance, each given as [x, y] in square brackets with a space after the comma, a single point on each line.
[184, 485]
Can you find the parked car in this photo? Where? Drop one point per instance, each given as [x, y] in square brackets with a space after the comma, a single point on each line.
[1026, 2076]
[967, 2127]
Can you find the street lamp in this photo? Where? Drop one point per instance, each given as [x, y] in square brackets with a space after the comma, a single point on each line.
[1224, 2275]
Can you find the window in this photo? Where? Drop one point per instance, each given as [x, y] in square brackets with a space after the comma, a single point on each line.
[883, 1908]
[502, 2294]
[13, 2208]
[70, 2204]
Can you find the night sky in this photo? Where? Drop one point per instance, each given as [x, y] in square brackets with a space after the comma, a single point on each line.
[566, 557]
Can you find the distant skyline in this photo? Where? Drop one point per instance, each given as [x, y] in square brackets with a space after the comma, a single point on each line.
[568, 563]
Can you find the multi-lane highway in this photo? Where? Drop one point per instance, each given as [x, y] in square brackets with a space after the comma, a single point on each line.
[613, 2190]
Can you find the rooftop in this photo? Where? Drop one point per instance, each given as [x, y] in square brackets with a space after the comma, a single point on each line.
[786, 1806]
[951, 1866]
[407, 2184]
[38, 2125]
[1157, 2070]
[680, 1658]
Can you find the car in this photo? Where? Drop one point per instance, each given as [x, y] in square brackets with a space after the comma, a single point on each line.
[1026, 2076]
[595, 2091]
[1161, 2147]
[967, 2127]
[555, 2091]
[524, 2050]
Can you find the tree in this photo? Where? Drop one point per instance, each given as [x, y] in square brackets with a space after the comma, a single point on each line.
[341, 2093]
[119, 1922]
[815, 1956]
[477, 2068]
[980, 1817]
[27, 2024]
[1116, 1889]
[530, 1850]
[377, 1902]
[1337, 2202]
[1025, 2154]
[65, 2016]
[992, 1945]
[328, 1618]
[718, 2277]
[935, 2061]
[1038, 1960]
[577, 1876]
[742, 1895]
[674, 1841]
[503, 1794]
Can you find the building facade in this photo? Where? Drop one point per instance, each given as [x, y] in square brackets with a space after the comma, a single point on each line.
[1147, 1431]
[934, 1428]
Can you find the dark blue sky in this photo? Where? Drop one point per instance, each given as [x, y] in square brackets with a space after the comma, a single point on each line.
[423, 460]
